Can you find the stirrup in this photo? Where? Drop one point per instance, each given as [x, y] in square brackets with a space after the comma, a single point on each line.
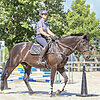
[41, 63]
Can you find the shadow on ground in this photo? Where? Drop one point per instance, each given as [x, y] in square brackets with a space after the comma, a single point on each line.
[64, 93]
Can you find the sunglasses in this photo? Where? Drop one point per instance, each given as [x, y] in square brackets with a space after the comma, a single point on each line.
[44, 14]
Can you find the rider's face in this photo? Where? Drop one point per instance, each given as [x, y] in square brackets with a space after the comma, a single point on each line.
[44, 16]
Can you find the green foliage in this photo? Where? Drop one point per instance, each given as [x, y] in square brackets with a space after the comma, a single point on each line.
[21, 14]
[18, 19]
[79, 19]
[56, 24]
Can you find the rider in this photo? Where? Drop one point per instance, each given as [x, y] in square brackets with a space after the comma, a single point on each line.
[43, 32]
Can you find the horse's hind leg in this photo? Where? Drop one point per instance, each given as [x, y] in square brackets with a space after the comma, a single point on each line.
[8, 68]
[63, 73]
[26, 77]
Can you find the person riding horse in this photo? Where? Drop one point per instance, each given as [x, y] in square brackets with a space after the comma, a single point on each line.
[61, 49]
[43, 32]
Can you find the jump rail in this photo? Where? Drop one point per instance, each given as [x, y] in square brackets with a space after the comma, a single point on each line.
[77, 66]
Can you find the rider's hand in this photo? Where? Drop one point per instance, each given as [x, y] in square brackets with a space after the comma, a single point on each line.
[54, 38]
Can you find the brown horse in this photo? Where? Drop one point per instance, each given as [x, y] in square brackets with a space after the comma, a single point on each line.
[61, 48]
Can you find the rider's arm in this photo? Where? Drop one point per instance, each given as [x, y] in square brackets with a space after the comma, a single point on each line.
[49, 32]
[42, 32]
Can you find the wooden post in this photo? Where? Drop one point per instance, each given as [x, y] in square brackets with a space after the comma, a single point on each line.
[95, 66]
[78, 66]
[74, 67]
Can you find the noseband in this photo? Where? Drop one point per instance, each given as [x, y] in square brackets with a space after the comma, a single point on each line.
[84, 50]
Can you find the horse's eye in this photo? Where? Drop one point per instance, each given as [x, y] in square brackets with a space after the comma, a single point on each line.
[83, 44]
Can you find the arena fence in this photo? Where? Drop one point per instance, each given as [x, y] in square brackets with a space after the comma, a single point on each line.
[78, 66]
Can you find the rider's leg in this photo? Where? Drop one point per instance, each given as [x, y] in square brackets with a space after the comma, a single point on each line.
[43, 52]
[44, 43]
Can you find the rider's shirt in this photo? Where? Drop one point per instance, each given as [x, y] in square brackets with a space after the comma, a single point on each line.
[42, 24]
[41, 39]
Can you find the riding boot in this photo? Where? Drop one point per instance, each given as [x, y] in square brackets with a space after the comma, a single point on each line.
[42, 56]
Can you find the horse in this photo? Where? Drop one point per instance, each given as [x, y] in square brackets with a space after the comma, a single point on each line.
[56, 61]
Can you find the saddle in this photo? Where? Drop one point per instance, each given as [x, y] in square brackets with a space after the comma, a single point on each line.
[37, 48]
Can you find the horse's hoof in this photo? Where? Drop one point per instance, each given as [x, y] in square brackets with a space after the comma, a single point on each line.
[7, 88]
[58, 92]
[31, 92]
[2, 89]
[52, 95]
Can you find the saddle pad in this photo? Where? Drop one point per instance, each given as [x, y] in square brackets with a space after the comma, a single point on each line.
[36, 49]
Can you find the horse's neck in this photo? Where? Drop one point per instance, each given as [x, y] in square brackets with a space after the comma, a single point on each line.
[71, 44]
[70, 41]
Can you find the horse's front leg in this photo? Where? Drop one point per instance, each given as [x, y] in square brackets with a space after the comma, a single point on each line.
[53, 71]
[63, 73]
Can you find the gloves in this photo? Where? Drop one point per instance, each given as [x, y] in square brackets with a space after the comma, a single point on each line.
[54, 37]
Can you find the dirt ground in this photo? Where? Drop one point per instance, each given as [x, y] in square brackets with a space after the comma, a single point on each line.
[19, 90]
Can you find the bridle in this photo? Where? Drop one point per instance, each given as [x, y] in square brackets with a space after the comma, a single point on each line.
[72, 49]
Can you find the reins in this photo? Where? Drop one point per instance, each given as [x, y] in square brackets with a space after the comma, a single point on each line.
[66, 46]
[73, 49]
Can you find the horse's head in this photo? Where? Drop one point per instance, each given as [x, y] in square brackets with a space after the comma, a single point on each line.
[84, 46]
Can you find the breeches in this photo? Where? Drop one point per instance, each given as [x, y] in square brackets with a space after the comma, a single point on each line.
[42, 41]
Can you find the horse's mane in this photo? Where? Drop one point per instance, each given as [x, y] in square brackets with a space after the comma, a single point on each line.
[78, 34]
[87, 37]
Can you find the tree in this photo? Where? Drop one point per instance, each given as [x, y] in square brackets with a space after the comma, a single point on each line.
[18, 18]
[79, 19]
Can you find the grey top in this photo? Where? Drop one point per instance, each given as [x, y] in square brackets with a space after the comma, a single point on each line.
[43, 24]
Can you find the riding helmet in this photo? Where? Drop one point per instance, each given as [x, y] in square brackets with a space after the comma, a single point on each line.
[43, 12]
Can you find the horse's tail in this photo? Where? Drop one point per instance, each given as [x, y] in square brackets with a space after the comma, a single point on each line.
[5, 66]
[4, 74]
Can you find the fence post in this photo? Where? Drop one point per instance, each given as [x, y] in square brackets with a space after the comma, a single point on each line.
[78, 64]
[95, 66]
[74, 67]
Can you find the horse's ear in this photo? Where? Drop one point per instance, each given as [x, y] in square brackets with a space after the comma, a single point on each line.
[87, 37]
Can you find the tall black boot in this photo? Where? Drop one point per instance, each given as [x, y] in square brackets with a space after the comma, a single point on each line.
[42, 56]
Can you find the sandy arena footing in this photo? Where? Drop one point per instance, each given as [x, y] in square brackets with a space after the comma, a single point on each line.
[19, 90]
